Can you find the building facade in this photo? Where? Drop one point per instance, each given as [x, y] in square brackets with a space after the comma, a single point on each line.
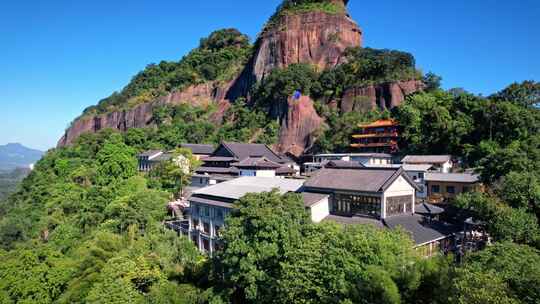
[440, 163]
[443, 187]
[364, 159]
[210, 205]
[381, 136]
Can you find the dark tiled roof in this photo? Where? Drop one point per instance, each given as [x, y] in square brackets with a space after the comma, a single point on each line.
[199, 148]
[243, 151]
[422, 231]
[355, 220]
[285, 170]
[256, 162]
[218, 159]
[426, 159]
[218, 170]
[150, 153]
[363, 180]
[425, 208]
[343, 164]
[311, 199]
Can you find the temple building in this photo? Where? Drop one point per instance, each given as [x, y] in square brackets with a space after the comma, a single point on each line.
[380, 136]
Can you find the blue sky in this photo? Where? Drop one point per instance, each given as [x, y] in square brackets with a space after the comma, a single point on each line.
[58, 57]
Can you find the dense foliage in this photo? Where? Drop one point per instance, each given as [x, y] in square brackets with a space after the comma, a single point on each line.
[185, 123]
[496, 135]
[218, 58]
[10, 180]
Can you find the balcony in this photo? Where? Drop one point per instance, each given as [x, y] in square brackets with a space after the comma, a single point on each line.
[376, 135]
[373, 145]
[181, 226]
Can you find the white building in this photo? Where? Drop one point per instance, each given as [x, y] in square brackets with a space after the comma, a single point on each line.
[440, 163]
[210, 205]
[363, 158]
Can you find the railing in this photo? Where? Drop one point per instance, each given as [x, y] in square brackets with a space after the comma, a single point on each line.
[381, 134]
[360, 145]
[178, 226]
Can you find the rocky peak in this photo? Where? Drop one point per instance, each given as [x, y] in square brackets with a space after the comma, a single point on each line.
[312, 36]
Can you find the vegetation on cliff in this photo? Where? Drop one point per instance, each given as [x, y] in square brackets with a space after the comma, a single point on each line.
[219, 57]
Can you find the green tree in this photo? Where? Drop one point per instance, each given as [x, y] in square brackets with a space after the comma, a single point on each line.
[525, 94]
[116, 161]
[263, 228]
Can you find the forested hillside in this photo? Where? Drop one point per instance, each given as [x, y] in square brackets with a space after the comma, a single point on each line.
[86, 227]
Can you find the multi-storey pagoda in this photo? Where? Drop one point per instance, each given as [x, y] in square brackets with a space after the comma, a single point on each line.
[380, 136]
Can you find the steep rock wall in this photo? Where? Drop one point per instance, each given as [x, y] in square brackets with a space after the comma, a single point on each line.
[141, 115]
[297, 126]
[383, 96]
[313, 37]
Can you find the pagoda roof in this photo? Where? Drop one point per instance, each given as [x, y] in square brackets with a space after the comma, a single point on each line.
[380, 123]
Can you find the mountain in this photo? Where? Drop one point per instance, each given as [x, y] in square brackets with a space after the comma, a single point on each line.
[15, 155]
[321, 34]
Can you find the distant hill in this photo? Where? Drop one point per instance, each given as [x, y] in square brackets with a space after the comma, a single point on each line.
[15, 155]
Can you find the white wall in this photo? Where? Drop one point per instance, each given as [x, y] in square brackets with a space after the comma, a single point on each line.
[259, 173]
[400, 187]
[447, 167]
[320, 210]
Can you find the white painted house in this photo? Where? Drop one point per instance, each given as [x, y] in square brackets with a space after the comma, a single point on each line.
[210, 205]
[440, 163]
[364, 159]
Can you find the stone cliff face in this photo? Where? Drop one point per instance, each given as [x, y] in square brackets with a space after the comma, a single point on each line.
[297, 126]
[313, 37]
[141, 115]
[382, 96]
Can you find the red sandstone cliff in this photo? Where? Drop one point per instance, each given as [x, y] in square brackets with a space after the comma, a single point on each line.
[141, 115]
[382, 96]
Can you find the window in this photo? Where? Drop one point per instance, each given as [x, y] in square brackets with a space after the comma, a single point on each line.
[450, 189]
[206, 245]
[420, 174]
[398, 205]
[216, 230]
[219, 214]
[466, 189]
[357, 205]
[206, 228]
[435, 188]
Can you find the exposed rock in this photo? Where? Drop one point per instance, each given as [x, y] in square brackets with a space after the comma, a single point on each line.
[382, 96]
[314, 37]
[297, 126]
[141, 115]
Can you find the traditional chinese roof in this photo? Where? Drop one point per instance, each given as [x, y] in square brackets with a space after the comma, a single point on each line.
[342, 164]
[380, 123]
[257, 163]
[199, 149]
[422, 230]
[242, 151]
[361, 179]
[311, 199]
[427, 209]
